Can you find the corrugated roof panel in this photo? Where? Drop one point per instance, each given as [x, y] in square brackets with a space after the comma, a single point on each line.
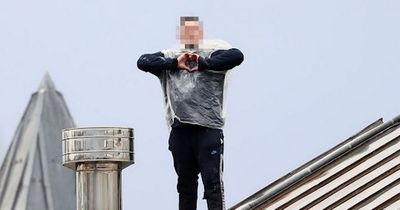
[352, 183]
[362, 194]
[344, 181]
[314, 186]
[364, 175]
[380, 198]
[393, 203]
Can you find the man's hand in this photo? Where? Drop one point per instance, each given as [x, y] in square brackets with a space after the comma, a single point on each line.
[193, 62]
[182, 61]
[188, 62]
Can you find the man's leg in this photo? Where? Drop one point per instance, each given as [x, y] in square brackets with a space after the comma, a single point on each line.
[185, 165]
[210, 160]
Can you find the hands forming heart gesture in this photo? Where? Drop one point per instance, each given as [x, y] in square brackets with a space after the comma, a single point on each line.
[188, 61]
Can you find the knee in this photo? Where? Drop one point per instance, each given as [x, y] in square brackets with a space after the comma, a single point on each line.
[212, 189]
[187, 185]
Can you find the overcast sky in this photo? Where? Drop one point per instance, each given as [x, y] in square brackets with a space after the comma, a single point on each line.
[315, 72]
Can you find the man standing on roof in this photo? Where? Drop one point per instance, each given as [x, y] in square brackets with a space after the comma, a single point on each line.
[193, 79]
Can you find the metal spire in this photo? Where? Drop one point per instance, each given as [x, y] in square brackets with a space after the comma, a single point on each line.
[46, 83]
[32, 176]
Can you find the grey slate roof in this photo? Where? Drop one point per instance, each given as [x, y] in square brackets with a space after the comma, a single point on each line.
[32, 176]
[362, 172]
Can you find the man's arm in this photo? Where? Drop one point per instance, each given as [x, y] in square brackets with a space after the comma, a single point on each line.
[221, 60]
[155, 63]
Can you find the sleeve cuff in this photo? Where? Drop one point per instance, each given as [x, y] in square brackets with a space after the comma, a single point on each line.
[173, 63]
[203, 64]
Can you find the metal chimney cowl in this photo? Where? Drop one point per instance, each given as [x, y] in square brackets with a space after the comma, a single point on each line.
[98, 154]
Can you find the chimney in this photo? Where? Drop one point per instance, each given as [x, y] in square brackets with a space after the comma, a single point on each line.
[98, 155]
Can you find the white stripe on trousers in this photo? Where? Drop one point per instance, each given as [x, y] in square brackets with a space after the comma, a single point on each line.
[220, 175]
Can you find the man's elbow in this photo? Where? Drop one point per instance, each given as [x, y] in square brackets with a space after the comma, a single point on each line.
[239, 57]
[141, 63]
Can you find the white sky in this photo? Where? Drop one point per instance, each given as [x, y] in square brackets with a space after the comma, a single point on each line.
[315, 72]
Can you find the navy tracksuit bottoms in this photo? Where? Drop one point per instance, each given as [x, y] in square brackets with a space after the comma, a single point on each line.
[198, 150]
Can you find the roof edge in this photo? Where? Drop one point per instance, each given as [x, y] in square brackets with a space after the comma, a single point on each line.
[310, 167]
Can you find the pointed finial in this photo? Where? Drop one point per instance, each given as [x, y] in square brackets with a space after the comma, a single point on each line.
[46, 83]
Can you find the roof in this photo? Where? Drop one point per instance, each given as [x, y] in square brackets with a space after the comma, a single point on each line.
[362, 172]
[31, 176]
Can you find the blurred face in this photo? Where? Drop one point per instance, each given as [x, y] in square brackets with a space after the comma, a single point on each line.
[191, 32]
